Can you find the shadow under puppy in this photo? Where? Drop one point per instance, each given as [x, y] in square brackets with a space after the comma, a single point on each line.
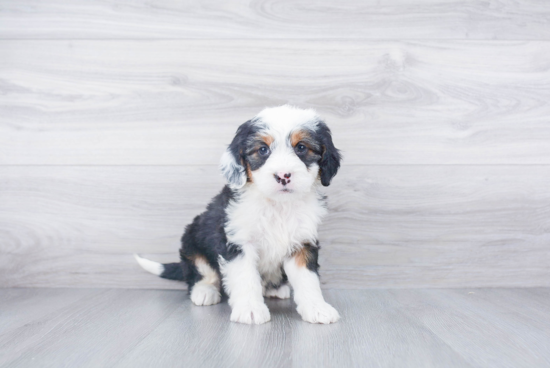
[260, 232]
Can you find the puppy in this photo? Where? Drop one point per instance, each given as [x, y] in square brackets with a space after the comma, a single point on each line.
[260, 233]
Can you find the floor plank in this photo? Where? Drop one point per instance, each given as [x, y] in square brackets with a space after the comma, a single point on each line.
[92, 332]
[375, 332]
[369, 19]
[180, 102]
[382, 328]
[18, 306]
[388, 226]
[475, 328]
[204, 337]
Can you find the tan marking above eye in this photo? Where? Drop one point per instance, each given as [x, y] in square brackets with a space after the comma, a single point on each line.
[267, 139]
[297, 136]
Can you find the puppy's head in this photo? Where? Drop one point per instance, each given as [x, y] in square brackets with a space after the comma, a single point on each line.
[284, 151]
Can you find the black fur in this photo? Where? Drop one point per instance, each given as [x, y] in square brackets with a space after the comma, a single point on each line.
[174, 271]
[204, 237]
[240, 141]
[312, 155]
[331, 157]
[253, 158]
[312, 257]
[240, 148]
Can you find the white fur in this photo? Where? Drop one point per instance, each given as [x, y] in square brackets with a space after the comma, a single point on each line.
[242, 282]
[207, 290]
[154, 267]
[284, 160]
[273, 229]
[307, 294]
[279, 123]
[286, 118]
[271, 224]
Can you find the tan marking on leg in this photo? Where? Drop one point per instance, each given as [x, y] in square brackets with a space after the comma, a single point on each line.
[209, 275]
[301, 257]
[207, 290]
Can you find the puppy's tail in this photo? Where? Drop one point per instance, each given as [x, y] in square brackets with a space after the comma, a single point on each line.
[170, 271]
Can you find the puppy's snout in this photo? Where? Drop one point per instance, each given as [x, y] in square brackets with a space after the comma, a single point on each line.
[282, 178]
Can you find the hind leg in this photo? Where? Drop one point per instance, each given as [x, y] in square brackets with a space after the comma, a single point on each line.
[282, 292]
[207, 290]
[275, 284]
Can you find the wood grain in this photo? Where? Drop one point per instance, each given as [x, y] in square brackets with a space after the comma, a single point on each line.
[19, 305]
[460, 327]
[206, 338]
[180, 102]
[94, 331]
[389, 226]
[326, 19]
[440, 108]
[376, 332]
[379, 328]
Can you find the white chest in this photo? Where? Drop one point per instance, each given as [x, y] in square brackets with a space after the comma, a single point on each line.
[273, 229]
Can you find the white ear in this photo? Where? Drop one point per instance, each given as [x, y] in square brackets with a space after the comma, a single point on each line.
[234, 173]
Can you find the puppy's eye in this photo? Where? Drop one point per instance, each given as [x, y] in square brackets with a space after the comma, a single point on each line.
[301, 148]
[263, 151]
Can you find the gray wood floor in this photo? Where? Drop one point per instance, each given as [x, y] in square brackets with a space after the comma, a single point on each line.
[379, 328]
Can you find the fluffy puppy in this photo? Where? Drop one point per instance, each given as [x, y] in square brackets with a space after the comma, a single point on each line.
[260, 232]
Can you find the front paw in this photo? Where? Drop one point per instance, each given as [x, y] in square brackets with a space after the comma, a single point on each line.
[319, 312]
[250, 313]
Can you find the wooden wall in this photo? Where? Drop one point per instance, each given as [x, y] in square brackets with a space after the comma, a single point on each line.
[113, 116]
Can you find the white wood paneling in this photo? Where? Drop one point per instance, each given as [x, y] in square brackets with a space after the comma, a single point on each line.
[389, 226]
[321, 19]
[441, 108]
[180, 102]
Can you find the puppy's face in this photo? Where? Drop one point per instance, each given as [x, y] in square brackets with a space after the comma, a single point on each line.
[283, 151]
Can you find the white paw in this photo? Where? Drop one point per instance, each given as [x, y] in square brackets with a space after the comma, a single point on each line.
[320, 312]
[205, 294]
[250, 313]
[282, 292]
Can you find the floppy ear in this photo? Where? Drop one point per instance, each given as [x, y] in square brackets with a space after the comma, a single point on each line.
[232, 161]
[330, 159]
[234, 173]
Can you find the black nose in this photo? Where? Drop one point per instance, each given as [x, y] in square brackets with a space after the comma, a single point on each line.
[285, 180]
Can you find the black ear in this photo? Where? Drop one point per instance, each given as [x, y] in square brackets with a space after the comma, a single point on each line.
[232, 163]
[331, 157]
